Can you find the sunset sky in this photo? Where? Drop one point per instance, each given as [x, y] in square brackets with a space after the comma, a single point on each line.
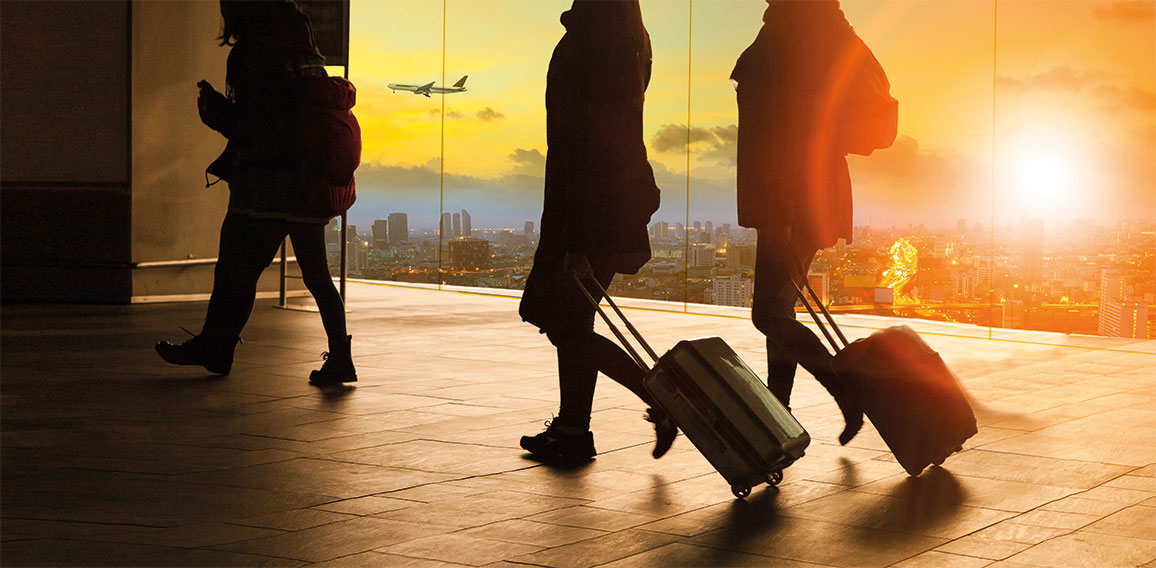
[1074, 112]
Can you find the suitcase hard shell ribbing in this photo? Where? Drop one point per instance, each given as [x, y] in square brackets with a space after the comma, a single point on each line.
[905, 389]
[720, 405]
[727, 413]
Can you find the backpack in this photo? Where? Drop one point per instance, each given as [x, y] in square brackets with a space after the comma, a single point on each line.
[330, 144]
[869, 117]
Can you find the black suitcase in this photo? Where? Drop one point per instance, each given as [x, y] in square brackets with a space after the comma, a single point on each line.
[904, 388]
[721, 406]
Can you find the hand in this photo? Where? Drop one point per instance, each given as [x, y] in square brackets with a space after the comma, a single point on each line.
[578, 265]
[208, 102]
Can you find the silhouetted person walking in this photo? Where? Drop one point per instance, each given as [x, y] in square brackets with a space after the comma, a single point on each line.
[803, 68]
[600, 193]
[272, 49]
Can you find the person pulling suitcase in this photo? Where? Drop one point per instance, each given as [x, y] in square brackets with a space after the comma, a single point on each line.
[809, 91]
[599, 196]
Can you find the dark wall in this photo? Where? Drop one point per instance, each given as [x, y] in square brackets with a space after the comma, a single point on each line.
[65, 199]
[102, 155]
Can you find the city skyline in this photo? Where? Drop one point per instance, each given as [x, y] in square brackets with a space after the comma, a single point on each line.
[1057, 123]
[1024, 275]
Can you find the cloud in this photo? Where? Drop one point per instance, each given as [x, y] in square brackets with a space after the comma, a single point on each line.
[1132, 97]
[452, 114]
[1127, 11]
[1063, 77]
[1113, 97]
[904, 184]
[528, 162]
[718, 144]
[487, 114]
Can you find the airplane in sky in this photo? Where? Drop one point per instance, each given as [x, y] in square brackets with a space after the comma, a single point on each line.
[428, 88]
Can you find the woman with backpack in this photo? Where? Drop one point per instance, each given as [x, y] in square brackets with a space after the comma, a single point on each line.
[272, 51]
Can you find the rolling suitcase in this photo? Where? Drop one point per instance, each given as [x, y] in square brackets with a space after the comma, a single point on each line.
[721, 406]
[904, 388]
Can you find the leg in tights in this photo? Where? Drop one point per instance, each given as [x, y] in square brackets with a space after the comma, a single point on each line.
[788, 341]
[582, 353]
[309, 246]
[247, 247]
[777, 266]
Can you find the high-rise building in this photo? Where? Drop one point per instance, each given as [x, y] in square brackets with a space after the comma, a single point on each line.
[467, 225]
[701, 256]
[820, 282]
[469, 254]
[709, 228]
[528, 228]
[1031, 250]
[741, 255]
[733, 291]
[1121, 313]
[457, 225]
[1013, 314]
[961, 226]
[398, 228]
[380, 234]
[333, 232]
[447, 226]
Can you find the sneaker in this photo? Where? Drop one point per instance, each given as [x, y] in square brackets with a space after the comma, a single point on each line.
[215, 355]
[664, 431]
[557, 446]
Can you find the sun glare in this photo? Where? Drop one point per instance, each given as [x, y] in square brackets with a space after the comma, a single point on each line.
[1044, 176]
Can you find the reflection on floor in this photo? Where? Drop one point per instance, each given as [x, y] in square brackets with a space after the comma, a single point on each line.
[110, 457]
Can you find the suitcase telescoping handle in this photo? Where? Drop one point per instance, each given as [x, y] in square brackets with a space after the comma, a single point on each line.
[617, 333]
[815, 316]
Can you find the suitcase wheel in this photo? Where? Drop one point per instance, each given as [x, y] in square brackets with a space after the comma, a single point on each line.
[775, 477]
[741, 491]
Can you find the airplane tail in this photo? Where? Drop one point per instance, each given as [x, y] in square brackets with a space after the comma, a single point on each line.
[461, 82]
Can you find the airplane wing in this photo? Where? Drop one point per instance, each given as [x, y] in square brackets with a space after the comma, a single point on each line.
[424, 89]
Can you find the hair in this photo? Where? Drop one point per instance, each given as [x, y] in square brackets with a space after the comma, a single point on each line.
[241, 18]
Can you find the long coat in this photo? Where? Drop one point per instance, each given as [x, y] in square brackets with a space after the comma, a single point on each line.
[792, 84]
[599, 188]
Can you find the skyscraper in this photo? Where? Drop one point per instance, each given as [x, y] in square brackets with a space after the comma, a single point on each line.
[398, 228]
[528, 228]
[1121, 313]
[457, 225]
[467, 226]
[1031, 250]
[380, 234]
[446, 227]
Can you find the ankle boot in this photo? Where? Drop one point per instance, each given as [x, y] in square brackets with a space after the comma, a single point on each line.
[338, 366]
[852, 413]
[215, 355]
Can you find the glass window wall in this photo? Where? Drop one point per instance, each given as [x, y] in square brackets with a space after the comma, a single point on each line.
[1020, 192]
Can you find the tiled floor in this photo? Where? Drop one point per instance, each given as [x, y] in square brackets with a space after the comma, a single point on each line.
[111, 457]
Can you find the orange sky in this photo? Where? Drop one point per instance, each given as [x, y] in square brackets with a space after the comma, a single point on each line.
[1074, 107]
